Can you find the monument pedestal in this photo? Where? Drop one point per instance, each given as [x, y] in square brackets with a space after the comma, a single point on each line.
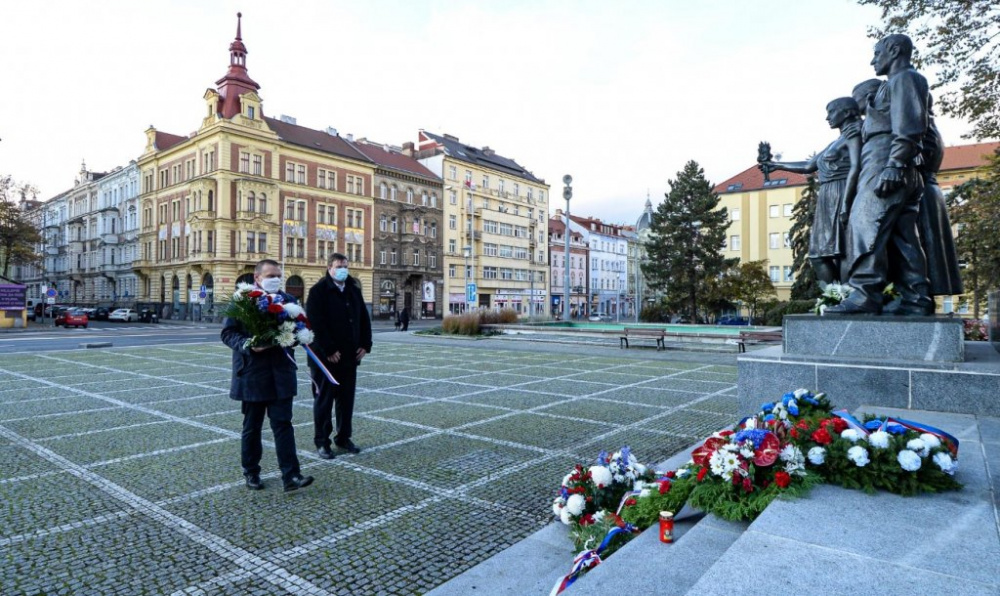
[917, 363]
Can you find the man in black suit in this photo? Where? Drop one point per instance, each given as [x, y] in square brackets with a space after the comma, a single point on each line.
[264, 381]
[336, 309]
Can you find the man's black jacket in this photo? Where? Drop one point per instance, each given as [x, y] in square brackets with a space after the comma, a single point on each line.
[339, 319]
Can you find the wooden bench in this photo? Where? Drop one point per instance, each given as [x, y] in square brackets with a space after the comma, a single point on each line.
[643, 333]
[757, 337]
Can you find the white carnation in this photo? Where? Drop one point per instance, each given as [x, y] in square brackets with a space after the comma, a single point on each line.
[817, 455]
[800, 392]
[557, 506]
[285, 339]
[599, 515]
[287, 326]
[944, 461]
[293, 310]
[575, 504]
[305, 336]
[930, 440]
[644, 493]
[909, 460]
[601, 476]
[858, 455]
[879, 439]
[564, 516]
[918, 446]
[851, 435]
[565, 481]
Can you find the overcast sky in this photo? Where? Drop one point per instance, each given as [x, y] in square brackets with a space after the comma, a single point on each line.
[619, 94]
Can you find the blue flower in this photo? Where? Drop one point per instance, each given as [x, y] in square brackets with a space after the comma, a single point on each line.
[787, 398]
[896, 429]
[873, 424]
[810, 399]
[793, 408]
[602, 458]
[625, 453]
[766, 407]
[755, 434]
[769, 418]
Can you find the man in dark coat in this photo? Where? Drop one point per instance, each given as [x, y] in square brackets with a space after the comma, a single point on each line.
[343, 329]
[404, 319]
[264, 382]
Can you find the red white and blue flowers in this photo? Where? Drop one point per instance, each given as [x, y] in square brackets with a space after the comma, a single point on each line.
[269, 319]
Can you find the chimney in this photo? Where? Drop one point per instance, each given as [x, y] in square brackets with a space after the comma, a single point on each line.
[287, 119]
[350, 137]
[331, 131]
[408, 149]
[488, 151]
[451, 137]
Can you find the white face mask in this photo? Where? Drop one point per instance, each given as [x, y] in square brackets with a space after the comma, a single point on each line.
[270, 284]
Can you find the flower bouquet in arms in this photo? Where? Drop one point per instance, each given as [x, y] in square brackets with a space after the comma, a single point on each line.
[270, 320]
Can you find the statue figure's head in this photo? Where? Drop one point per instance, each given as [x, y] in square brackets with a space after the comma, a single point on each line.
[864, 92]
[892, 49]
[841, 110]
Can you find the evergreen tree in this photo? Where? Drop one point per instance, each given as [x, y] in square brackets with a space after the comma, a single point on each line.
[805, 286]
[685, 245]
[975, 209]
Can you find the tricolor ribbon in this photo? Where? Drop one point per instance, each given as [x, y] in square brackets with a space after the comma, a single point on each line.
[319, 364]
[949, 441]
[587, 559]
[851, 421]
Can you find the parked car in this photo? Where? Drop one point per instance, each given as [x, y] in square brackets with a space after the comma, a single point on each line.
[729, 320]
[101, 313]
[126, 315]
[72, 317]
[600, 317]
[148, 315]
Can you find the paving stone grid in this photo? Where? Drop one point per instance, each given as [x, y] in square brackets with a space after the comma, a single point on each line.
[119, 469]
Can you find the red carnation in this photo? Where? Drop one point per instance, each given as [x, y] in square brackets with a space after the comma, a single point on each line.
[701, 474]
[586, 520]
[822, 437]
[630, 502]
[725, 433]
[301, 318]
[274, 308]
[802, 424]
[794, 433]
[782, 479]
[255, 293]
[839, 425]
[747, 485]
[664, 488]
[671, 474]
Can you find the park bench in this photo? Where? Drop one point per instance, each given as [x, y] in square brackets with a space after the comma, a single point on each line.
[643, 333]
[757, 337]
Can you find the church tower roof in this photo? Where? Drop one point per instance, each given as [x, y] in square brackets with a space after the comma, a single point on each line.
[237, 81]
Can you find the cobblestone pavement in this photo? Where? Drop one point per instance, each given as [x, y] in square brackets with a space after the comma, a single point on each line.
[119, 469]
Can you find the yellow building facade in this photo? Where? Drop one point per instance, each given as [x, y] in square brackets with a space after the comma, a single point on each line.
[497, 210]
[242, 188]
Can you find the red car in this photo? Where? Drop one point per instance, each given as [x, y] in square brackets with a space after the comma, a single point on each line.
[72, 318]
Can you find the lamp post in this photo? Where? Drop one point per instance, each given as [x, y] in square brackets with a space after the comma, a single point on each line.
[567, 194]
[467, 250]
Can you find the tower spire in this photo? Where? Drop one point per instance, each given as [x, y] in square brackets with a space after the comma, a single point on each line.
[239, 25]
[237, 81]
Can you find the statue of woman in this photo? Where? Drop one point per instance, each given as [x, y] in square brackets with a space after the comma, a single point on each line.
[838, 166]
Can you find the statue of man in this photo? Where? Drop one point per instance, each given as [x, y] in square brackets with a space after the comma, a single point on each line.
[883, 244]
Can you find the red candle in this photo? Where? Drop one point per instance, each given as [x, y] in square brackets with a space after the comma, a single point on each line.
[666, 526]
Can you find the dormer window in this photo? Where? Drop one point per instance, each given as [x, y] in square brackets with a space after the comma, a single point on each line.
[250, 112]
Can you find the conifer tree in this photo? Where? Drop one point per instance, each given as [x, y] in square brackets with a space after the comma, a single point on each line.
[685, 246]
[805, 286]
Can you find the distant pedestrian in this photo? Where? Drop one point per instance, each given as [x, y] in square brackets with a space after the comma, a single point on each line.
[404, 319]
[263, 380]
[336, 309]
[396, 322]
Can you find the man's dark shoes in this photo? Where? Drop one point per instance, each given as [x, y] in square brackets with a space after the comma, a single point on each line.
[325, 453]
[348, 446]
[298, 482]
[254, 482]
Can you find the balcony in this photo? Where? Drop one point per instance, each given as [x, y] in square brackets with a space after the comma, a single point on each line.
[75, 246]
[110, 238]
[52, 251]
[249, 215]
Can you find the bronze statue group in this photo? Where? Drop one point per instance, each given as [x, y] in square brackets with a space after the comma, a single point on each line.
[880, 215]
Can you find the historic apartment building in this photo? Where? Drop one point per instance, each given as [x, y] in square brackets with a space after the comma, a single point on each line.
[760, 213]
[495, 229]
[608, 250]
[579, 281]
[408, 239]
[245, 187]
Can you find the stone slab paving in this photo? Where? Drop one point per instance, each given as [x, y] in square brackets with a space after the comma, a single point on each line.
[119, 469]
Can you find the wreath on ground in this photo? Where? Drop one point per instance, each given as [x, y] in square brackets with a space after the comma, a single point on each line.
[788, 447]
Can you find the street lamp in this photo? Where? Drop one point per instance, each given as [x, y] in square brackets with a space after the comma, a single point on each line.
[467, 250]
[567, 194]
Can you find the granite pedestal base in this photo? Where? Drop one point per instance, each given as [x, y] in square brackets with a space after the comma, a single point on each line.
[906, 363]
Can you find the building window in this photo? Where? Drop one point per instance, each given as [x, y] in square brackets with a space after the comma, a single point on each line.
[258, 165]
[393, 257]
[383, 191]
[393, 193]
[321, 214]
[251, 242]
[452, 222]
[250, 112]
[786, 273]
[453, 197]
[490, 273]
[302, 211]
[434, 230]
[734, 214]
[772, 211]
[244, 162]
[773, 239]
[409, 195]
[432, 261]
[451, 271]
[416, 257]
[383, 223]
[775, 273]
[290, 210]
[262, 242]
[381, 257]
[300, 248]
[787, 210]
[486, 182]
[289, 172]
[452, 173]
[394, 225]
[786, 239]
[300, 174]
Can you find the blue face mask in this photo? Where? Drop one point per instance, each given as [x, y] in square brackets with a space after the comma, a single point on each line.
[340, 273]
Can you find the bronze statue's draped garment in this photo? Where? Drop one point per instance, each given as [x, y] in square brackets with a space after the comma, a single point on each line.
[883, 243]
[827, 236]
[934, 225]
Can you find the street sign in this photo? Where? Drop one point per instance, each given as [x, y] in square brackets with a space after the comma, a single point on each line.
[202, 294]
[50, 300]
[470, 293]
[203, 290]
[51, 293]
